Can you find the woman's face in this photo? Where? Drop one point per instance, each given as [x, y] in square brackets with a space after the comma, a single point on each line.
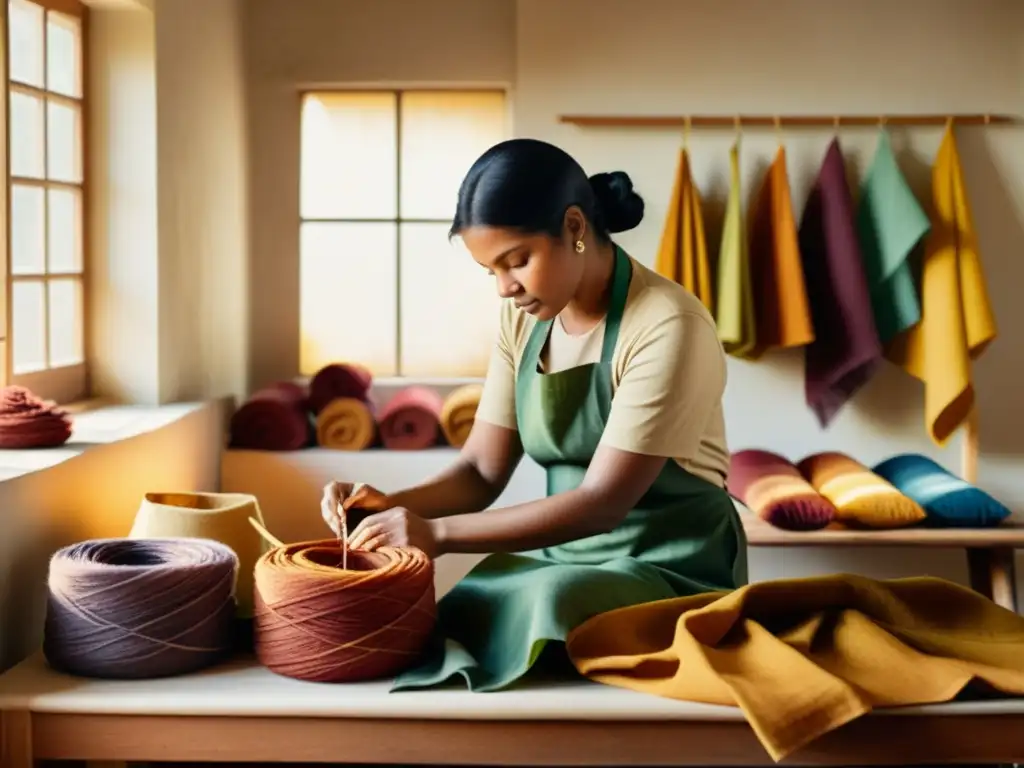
[539, 273]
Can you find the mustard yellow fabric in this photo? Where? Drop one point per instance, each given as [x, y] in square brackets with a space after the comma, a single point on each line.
[957, 323]
[782, 309]
[802, 657]
[345, 424]
[459, 412]
[734, 307]
[223, 517]
[683, 254]
[861, 498]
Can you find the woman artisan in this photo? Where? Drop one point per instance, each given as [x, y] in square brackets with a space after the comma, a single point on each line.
[608, 376]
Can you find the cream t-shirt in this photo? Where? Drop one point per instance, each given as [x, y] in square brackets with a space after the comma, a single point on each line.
[669, 374]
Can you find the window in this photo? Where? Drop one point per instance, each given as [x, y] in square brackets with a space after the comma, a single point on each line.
[45, 239]
[380, 282]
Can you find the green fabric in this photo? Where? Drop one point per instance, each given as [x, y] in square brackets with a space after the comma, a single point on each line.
[684, 536]
[890, 224]
[735, 302]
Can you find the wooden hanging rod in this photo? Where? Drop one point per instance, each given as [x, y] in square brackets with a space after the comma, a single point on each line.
[780, 121]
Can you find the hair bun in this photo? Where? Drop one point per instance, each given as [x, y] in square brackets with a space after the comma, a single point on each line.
[621, 207]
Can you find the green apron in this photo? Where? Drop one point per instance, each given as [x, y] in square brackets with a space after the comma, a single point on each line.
[683, 537]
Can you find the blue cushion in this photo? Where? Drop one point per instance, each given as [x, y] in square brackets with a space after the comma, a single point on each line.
[949, 501]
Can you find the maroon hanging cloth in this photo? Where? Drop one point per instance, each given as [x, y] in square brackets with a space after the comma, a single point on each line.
[846, 350]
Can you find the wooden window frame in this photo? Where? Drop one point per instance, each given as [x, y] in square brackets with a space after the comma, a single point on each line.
[63, 384]
[397, 219]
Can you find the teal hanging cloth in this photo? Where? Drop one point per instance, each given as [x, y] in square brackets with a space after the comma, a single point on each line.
[890, 225]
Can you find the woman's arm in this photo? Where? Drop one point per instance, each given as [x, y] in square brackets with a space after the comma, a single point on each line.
[613, 485]
[473, 482]
[673, 381]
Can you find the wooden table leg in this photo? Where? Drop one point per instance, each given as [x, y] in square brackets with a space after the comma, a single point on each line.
[15, 739]
[993, 573]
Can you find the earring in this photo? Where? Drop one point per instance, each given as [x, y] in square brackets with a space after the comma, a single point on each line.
[580, 247]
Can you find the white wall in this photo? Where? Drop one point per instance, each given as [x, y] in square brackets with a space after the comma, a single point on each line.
[203, 186]
[168, 213]
[123, 266]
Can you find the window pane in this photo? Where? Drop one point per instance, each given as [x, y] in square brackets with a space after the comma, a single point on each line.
[347, 301]
[450, 305]
[64, 231]
[26, 35]
[28, 230]
[65, 308]
[28, 316]
[63, 65]
[63, 142]
[26, 135]
[349, 157]
[442, 134]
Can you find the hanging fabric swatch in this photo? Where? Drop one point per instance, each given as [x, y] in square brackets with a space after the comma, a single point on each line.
[890, 224]
[846, 350]
[734, 306]
[957, 322]
[683, 255]
[780, 296]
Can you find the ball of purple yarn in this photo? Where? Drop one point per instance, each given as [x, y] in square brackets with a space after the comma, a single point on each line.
[139, 608]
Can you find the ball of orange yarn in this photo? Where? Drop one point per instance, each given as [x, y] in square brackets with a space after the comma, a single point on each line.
[318, 621]
[26, 421]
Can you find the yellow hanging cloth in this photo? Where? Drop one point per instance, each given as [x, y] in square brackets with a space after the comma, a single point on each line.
[683, 255]
[783, 311]
[735, 301]
[957, 322]
[802, 657]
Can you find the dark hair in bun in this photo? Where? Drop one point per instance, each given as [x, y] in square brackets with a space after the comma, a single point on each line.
[528, 185]
[622, 208]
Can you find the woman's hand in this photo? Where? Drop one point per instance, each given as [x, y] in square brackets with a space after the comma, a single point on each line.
[397, 527]
[349, 499]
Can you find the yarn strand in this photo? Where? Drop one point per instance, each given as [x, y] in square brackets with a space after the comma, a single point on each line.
[342, 516]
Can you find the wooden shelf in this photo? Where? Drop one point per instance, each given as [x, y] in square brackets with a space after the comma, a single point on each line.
[782, 121]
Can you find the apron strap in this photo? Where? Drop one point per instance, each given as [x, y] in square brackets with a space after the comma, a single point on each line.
[622, 271]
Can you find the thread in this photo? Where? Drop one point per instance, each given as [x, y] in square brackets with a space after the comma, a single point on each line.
[273, 419]
[320, 622]
[139, 608]
[459, 412]
[410, 421]
[26, 421]
[346, 424]
[339, 380]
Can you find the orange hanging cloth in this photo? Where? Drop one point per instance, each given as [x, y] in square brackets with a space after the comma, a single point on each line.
[957, 323]
[780, 295]
[683, 255]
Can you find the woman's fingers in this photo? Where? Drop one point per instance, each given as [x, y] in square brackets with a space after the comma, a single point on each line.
[364, 531]
[328, 510]
[331, 502]
[373, 544]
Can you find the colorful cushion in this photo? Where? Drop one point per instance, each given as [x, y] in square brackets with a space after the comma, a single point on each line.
[775, 491]
[861, 498]
[949, 501]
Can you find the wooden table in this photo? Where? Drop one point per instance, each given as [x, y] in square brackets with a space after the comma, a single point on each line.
[240, 712]
[990, 551]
